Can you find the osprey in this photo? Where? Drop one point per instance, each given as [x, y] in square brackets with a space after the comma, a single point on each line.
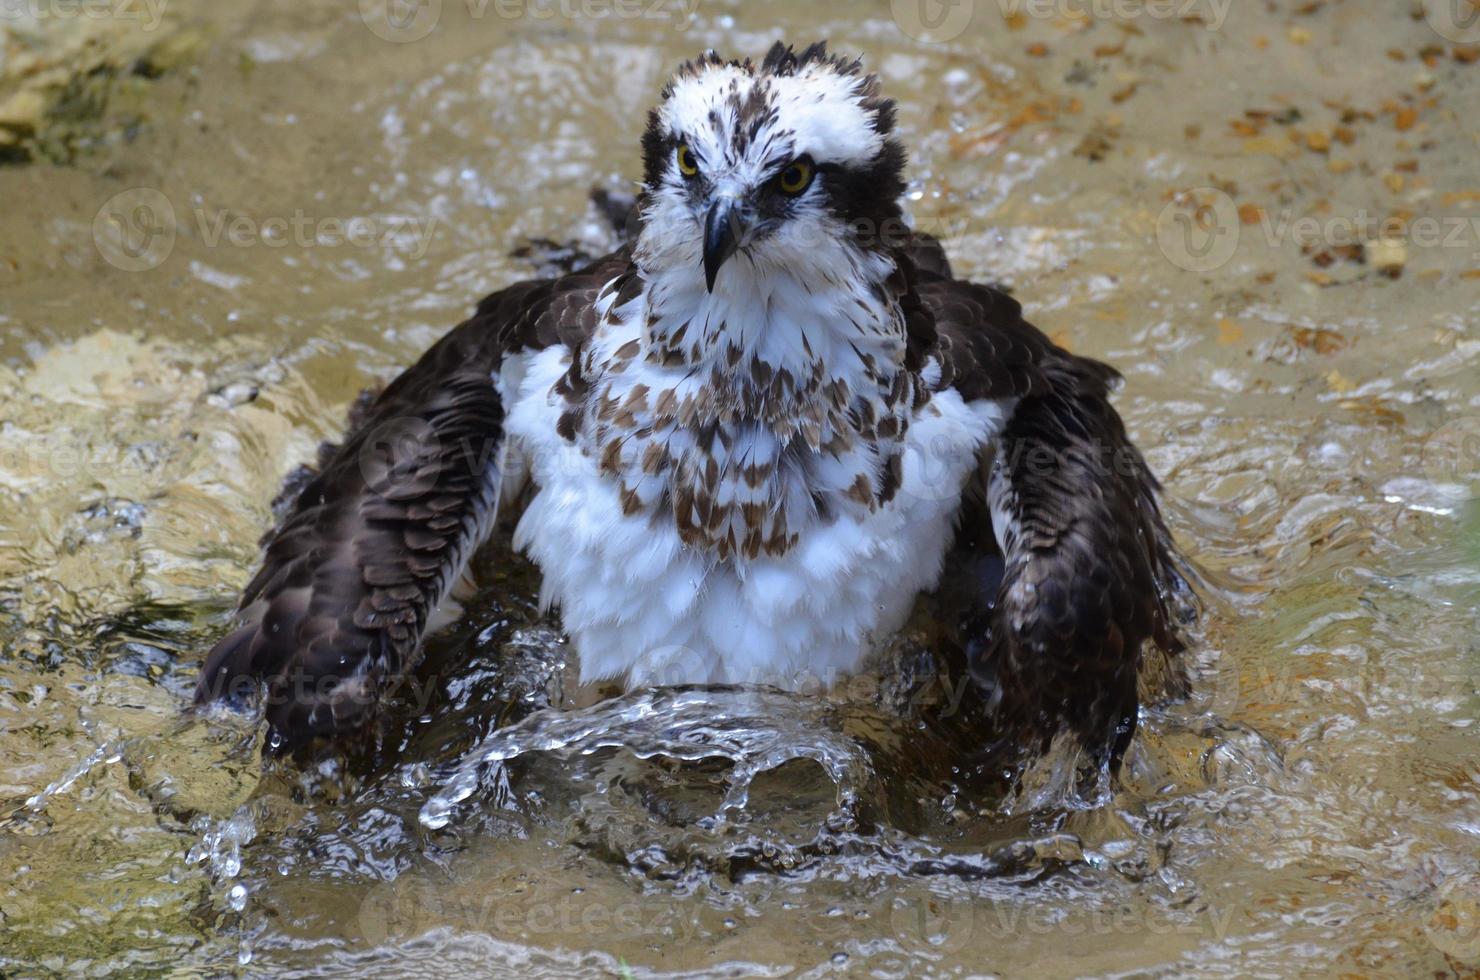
[742, 444]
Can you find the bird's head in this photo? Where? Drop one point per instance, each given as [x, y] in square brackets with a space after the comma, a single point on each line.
[769, 167]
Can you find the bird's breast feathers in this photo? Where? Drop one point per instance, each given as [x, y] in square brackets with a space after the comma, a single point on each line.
[684, 542]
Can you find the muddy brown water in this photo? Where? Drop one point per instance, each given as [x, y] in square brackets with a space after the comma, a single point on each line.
[1193, 191]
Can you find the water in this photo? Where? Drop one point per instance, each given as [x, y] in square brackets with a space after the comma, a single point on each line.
[1310, 807]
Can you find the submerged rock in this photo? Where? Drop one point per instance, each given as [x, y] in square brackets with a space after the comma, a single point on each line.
[78, 75]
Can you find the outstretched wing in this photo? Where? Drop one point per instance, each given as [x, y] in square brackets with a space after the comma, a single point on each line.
[1089, 566]
[374, 544]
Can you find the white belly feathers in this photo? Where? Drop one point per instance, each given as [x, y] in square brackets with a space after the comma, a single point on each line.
[646, 609]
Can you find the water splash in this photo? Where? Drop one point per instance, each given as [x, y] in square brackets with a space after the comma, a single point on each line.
[106, 754]
[756, 729]
[222, 841]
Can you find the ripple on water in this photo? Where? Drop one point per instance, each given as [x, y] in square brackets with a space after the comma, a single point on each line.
[1311, 806]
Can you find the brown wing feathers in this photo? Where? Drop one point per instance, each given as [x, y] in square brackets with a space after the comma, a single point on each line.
[1089, 563]
[376, 539]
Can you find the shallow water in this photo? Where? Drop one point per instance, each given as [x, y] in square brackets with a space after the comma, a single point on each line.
[1310, 808]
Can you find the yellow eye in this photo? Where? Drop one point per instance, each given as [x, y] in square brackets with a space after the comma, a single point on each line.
[796, 176]
[686, 164]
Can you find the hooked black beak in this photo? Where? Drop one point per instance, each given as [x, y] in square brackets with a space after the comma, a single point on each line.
[722, 233]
